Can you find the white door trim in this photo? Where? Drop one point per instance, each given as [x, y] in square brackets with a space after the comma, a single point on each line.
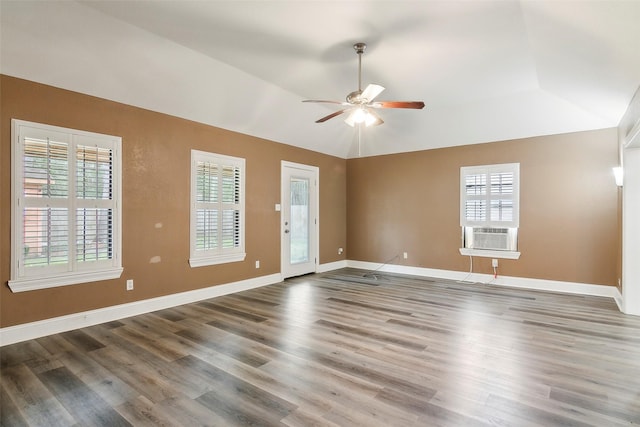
[315, 192]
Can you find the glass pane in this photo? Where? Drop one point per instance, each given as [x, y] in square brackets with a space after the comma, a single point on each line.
[206, 229]
[502, 183]
[206, 182]
[46, 170]
[502, 210]
[45, 240]
[230, 228]
[230, 184]
[299, 220]
[475, 210]
[93, 234]
[94, 173]
[476, 185]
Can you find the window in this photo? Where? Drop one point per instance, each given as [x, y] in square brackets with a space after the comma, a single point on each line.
[489, 206]
[66, 206]
[217, 209]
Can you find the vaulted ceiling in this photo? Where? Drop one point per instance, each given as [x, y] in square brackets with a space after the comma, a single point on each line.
[486, 70]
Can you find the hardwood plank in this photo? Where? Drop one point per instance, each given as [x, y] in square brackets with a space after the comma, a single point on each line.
[365, 332]
[136, 373]
[236, 400]
[341, 348]
[170, 314]
[29, 352]
[218, 308]
[229, 345]
[34, 402]
[620, 410]
[188, 412]
[81, 402]
[153, 343]
[301, 418]
[9, 413]
[140, 411]
[82, 340]
[522, 413]
[104, 382]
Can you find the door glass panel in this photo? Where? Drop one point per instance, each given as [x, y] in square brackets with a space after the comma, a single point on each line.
[299, 243]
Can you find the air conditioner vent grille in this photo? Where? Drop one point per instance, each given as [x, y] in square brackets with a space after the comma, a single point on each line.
[491, 238]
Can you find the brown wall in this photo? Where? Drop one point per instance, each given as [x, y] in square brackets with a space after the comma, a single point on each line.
[569, 207]
[376, 207]
[156, 167]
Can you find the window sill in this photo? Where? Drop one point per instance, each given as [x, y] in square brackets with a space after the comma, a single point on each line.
[488, 253]
[34, 283]
[217, 259]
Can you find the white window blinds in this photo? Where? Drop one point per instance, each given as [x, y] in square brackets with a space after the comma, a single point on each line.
[217, 213]
[489, 195]
[66, 206]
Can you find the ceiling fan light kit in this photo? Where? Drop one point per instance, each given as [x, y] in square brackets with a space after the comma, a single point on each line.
[363, 115]
[360, 103]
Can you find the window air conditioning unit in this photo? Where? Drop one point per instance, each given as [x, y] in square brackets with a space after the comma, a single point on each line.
[497, 239]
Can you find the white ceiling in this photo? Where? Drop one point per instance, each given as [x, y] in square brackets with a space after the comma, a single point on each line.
[487, 70]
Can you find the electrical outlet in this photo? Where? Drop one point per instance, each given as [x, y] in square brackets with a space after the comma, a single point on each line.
[405, 255]
[258, 264]
[340, 250]
[494, 263]
[130, 284]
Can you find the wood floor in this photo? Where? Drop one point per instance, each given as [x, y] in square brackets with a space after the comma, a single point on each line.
[341, 348]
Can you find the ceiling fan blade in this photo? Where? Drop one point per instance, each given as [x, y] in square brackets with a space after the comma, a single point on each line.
[417, 105]
[325, 101]
[330, 116]
[371, 91]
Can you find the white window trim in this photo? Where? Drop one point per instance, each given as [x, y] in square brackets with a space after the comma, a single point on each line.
[48, 279]
[206, 258]
[488, 169]
[490, 253]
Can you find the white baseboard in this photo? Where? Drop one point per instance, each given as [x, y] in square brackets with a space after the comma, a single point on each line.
[27, 331]
[619, 300]
[330, 266]
[516, 282]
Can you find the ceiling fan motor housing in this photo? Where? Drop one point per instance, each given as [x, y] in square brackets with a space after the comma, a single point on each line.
[360, 47]
[355, 98]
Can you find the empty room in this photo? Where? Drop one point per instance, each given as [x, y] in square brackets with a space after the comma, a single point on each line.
[319, 213]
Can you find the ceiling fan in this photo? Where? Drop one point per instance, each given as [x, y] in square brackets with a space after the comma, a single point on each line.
[360, 103]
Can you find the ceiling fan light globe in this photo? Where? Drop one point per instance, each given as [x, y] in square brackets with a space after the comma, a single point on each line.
[370, 119]
[350, 119]
[360, 115]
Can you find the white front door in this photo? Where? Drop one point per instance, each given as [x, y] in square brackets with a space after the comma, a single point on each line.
[299, 219]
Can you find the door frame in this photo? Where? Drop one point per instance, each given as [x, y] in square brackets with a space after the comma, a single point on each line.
[313, 192]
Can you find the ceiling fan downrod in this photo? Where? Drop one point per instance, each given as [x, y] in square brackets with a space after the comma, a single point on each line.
[359, 48]
[355, 97]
